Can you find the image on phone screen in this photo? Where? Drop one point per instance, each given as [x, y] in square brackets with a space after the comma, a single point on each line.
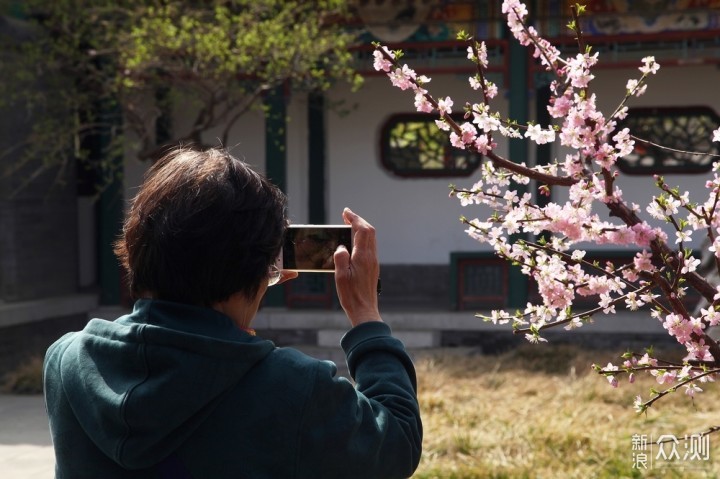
[310, 248]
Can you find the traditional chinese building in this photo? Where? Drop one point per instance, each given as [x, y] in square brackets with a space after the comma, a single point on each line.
[376, 154]
[372, 151]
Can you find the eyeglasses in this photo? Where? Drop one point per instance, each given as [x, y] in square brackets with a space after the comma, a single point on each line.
[274, 275]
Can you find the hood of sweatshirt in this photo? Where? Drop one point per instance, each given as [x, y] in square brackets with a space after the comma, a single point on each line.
[140, 385]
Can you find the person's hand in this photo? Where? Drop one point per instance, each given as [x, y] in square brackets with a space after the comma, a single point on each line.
[356, 274]
[287, 275]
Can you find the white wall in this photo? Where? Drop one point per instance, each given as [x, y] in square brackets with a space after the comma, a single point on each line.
[415, 219]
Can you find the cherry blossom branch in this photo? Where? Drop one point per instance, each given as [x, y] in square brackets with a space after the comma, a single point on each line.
[586, 314]
[674, 150]
[496, 159]
[707, 432]
[660, 249]
[575, 26]
[529, 172]
[596, 144]
[480, 71]
[664, 367]
[538, 48]
[659, 394]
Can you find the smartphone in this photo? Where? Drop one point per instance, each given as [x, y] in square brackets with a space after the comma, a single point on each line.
[310, 248]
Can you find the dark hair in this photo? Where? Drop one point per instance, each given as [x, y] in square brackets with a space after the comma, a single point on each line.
[203, 226]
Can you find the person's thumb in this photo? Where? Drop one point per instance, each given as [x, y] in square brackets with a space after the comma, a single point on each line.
[342, 260]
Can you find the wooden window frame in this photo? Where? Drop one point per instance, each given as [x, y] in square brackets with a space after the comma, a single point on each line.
[449, 150]
[670, 162]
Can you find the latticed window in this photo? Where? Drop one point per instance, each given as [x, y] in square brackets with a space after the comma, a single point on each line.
[682, 130]
[411, 145]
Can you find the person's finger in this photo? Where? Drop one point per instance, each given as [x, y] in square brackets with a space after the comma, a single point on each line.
[347, 215]
[363, 232]
[342, 261]
[287, 275]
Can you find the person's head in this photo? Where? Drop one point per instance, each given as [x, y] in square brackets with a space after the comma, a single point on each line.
[203, 227]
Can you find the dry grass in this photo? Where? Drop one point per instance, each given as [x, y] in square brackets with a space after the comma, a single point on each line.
[539, 412]
[536, 412]
[25, 379]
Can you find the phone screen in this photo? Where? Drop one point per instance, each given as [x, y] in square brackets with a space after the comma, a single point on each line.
[310, 248]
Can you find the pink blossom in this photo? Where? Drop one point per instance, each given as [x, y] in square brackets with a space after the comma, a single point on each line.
[402, 78]
[381, 63]
[607, 304]
[643, 261]
[698, 351]
[559, 106]
[650, 66]
[442, 125]
[621, 236]
[682, 236]
[646, 360]
[638, 404]
[632, 301]
[491, 89]
[470, 53]
[664, 376]
[544, 50]
[572, 165]
[690, 265]
[445, 106]
[716, 135]
[621, 114]
[483, 145]
[467, 136]
[421, 103]
[468, 133]
[610, 377]
[456, 141]
[678, 327]
[486, 122]
[630, 275]
[691, 389]
[535, 339]
[634, 88]
[605, 156]
[644, 234]
[578, 69]
[555, 294]
[538, 135]
[711, 315]
[516, 12]
[623, 142]
[481, 57]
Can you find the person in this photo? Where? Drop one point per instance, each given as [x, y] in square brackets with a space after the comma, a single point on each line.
[181, 387]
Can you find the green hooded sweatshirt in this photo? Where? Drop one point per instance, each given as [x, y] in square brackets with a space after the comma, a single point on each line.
[178, 391]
